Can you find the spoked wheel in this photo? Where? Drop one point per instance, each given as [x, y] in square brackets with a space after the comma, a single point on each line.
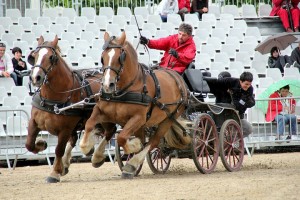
[122, 158]
[205, 144]
[231, 145]
[159, 160]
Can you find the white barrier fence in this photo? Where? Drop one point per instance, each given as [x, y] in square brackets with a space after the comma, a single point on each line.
[14, 124]
[264, 132]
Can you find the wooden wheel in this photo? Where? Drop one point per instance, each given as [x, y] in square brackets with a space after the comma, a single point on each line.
[231, 145]
[122, 158]
[205, 144]
[158, 160]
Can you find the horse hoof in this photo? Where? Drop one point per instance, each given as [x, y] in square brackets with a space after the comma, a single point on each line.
[129, 168]
[90, 152]
[127, 175]
[97, 165]
[50, 179]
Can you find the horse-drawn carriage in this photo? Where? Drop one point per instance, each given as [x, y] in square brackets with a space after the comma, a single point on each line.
[146, 103]
[214, 128]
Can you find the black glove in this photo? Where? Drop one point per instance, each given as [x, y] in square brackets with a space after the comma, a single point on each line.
[173, 52]
[143, 40]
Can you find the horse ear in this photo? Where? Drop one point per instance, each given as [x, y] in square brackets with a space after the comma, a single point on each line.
[41, 40]
[106, 36]
[122, 38]
[55, 41]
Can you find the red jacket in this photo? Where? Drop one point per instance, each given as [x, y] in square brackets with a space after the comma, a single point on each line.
[275, 107]
[184, 3]
[186, 52]
[278, 3]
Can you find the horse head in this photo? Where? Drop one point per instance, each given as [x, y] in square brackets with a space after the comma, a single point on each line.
[117, 54]
[43, 59]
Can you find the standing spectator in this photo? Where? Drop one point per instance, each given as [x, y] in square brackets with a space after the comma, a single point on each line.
[184, 7]
[241, 92]
[180, 49]
[280, 9]
[283, 112]
[6, 66]
[18, 64]
[166, 7]
[278, 61]
[199, 7]
[295, 57]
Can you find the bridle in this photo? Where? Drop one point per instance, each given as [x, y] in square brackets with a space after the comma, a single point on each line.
[53, 61]
[117, 70]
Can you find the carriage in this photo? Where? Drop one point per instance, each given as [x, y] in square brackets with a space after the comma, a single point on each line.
[214, 128]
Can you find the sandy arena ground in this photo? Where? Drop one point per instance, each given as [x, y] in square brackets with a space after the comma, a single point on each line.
[264, 176]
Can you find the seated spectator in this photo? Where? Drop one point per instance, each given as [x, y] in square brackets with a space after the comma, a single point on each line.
[184, 7]
[283, 112]
[18, 64]
[6, 66]
[278, 61]
[281, 7]
[199, 7]
[295, 57]
[166, 7]
[180, 48]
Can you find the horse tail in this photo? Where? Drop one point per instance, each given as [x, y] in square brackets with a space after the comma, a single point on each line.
[176, 138]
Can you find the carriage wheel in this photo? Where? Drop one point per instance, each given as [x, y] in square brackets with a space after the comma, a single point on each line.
[205, 144]
[122, 158]
[158, 160]
[231, 145]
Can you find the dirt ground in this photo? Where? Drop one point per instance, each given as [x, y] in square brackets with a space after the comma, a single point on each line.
[264, 176]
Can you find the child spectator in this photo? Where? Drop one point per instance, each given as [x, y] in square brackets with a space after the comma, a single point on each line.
[18, 64]
[278, 61]
[166, 7]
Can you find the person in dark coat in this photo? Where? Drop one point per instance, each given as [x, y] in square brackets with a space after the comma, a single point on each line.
[18, 64]
[278, 61]
[295, 57]
[241, 92]
[199, 7]
[221, 93]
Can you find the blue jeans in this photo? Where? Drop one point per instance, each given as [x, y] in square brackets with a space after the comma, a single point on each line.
[282, 120]
[13, 75]
[164, 18]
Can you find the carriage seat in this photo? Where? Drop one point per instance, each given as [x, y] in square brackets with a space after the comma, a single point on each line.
[195, 82]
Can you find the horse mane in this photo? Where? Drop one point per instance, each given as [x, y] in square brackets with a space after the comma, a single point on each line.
[58, 53]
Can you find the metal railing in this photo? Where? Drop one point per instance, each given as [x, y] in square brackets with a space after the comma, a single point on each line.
[22, 5]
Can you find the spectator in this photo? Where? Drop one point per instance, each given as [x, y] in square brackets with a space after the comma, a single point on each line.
[180, 49]
[295, 57]
[280, 8]
[166, 7]
[241, 92]
[18, 64]
[199, 7]
[278, 61]
[6, 66]
[184, 7]
[283, 112]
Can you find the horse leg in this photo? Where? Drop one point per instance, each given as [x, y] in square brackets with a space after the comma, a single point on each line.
[87, 142]
[98, 157]
[137, 159]
[32, 144]
[131, 127]
[58, 167]
[68, 155]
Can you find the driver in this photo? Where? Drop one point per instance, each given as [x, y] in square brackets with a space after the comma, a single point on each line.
[180, 49]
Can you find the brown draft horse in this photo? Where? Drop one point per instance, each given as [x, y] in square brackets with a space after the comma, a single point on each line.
[129, 94]
[58, 86]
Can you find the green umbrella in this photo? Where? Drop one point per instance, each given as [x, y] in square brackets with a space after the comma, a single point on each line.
[294, 89]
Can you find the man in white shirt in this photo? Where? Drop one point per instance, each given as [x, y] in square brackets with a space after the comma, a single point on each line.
[6, 66]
